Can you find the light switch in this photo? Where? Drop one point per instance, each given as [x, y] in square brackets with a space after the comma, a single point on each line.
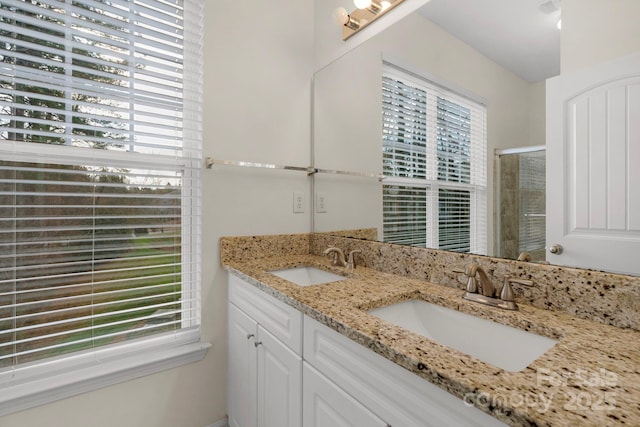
[321, 202]
[298, 202]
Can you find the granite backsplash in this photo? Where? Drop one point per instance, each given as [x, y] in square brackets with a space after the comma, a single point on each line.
[612, 299]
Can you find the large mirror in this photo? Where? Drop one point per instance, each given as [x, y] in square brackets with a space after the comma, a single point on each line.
[348, 119]
[435, 45]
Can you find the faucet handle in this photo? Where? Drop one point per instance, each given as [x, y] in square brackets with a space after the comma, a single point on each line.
[523, 282]
[524, 256]
[351, 260]
[337, 254]
[506, 294]
[472, 285]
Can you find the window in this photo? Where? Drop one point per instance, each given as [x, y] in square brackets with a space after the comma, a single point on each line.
[434, 163]
[99, 180]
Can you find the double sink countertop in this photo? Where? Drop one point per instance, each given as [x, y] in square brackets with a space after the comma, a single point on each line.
[591, 377]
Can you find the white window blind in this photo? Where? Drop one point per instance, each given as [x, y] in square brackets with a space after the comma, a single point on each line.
[100, 148]
[434, 162]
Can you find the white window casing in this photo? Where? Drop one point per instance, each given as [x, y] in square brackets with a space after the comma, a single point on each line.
[100, 193]
[434, 163]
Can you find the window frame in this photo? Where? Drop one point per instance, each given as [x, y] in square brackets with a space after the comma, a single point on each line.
[43, 381]
[477, 188]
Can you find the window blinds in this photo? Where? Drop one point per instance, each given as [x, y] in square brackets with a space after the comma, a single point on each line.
[405, 215]
[434, 147]
[100, 141]
[98, 74]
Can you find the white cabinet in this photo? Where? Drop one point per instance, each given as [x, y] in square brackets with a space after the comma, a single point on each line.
[265, 375]
[339, 383]
[394, 394]
[326, 405]
[280, 319]
[242, 404]
[279, 383]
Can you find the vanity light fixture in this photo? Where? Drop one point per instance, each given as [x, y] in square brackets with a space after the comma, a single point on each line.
[372, 6]
[362, 4]
[342, 17]
[367, 11]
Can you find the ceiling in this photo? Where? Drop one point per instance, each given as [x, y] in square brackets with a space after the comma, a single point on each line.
[520, 35]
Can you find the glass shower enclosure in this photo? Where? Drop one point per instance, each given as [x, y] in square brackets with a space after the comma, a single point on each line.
[520, 207]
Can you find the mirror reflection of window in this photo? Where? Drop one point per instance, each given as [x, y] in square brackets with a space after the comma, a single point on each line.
[434, 157]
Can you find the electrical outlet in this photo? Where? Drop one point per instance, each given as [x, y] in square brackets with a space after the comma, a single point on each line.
[298, 202]
[321, 202]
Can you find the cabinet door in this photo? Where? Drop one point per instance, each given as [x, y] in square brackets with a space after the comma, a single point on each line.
[326, 405]
[280, 319]
[402, 398]
[279, 383]
[242, 365]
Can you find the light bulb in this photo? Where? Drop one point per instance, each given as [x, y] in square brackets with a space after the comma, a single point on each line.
[340, 16]
[559, 24]
[362, 4]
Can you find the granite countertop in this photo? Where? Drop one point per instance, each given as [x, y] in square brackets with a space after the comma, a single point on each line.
[591, 377]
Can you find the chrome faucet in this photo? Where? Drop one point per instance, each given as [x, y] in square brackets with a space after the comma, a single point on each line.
[482, 285]
[338, 256]
[480, 289]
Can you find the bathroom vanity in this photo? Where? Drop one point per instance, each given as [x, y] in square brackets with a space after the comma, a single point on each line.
[311, 354]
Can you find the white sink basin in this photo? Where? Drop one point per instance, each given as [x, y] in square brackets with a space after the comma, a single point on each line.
[307, 276]
[503, 346]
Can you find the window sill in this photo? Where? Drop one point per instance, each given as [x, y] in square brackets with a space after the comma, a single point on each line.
[40, 391]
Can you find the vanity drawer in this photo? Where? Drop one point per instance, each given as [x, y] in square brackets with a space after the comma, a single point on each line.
[280, 319]
[394, 394]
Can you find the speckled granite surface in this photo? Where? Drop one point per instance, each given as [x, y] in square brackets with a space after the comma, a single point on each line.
[612, 299]
[591, 377]
[252, 247]
[360, 233]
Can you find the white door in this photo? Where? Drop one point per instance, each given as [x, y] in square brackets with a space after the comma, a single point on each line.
[327, 405]
[593, 166]
[279, 383]
[243, 362]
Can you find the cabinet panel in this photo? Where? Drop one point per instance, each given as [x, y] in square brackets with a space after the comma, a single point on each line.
[282, 320]
[326, 405]
[242, 365]
[279, 383]
[348, 384]
[393, 393]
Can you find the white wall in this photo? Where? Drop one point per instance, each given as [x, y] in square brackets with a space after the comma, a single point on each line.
[348, 122]
[595, 31]
[328, 43]
[258, 66]
[537, 113]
